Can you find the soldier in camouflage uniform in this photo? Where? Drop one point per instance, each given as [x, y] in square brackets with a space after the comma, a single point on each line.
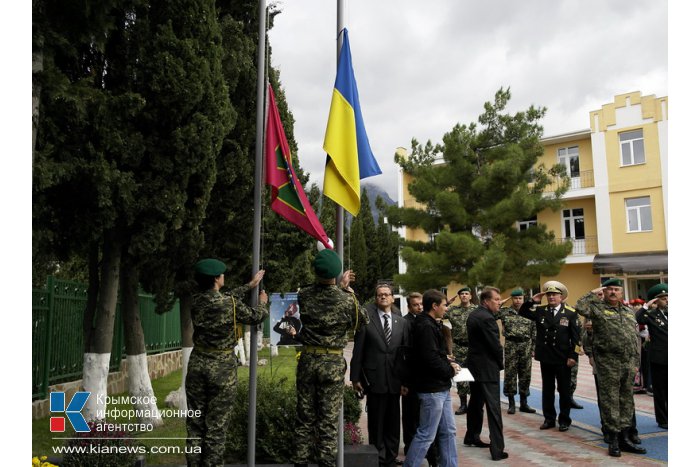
[457, 316]
[327, 313]
[616, 356]
[211, 372]
[519, 333]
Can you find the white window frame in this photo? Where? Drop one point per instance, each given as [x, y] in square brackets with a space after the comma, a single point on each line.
[526, 224]
[636, 156]
[638, 213]
[564, 156]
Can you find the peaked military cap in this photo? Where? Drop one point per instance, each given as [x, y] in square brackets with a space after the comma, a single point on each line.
[464, 289]
[657, 291]
[553, 289]
[327, 264]
[613, 281]
[517, 292]
[209, 267]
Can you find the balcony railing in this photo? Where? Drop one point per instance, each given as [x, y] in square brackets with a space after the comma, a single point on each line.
[582, 246]
[584, 180]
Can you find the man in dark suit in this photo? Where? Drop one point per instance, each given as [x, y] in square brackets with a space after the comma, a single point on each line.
[373, 371]
[556, 348]
[485, 361]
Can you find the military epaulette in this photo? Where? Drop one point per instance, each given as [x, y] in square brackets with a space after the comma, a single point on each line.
[569, 307]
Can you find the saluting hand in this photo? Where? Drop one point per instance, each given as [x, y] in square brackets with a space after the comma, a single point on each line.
[256, 279]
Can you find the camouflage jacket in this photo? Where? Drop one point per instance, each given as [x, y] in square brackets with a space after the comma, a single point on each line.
[457, 316]
[214, 315]
[516, 328]
[615, 328]
[327, 313]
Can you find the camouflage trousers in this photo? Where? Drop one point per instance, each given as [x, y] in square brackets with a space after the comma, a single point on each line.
[460, 352]
[615, 397]
[518, 368]
[210, 386]
[574, 379]
[320, 382]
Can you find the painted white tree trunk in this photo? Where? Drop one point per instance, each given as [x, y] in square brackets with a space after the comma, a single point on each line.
[95, 372]
[141, 390]
[240, 352]
[182, 402]
[246, 342]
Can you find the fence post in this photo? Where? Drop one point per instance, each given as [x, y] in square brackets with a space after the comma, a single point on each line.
[49, 338]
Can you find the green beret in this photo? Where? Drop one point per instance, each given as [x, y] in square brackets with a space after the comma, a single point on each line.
[327, 264]
[209, 267]
[613, 282]
[657, 291]
[464, 289]
[517, 292]
[552, 289]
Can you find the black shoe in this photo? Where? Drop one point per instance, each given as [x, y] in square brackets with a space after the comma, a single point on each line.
[461, 410]
[606, 437]
[526, 408]
[575, 405]
[635, 438]
[563, 427]
[511, 405]
[613, 447]
[626, 445]
[547, 425]
[477, 443]
[501, 456]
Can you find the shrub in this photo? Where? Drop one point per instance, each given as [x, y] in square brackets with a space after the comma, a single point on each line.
[276, 410]
[112, 447]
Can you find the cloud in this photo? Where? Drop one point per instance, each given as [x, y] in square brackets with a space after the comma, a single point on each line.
[422, 67]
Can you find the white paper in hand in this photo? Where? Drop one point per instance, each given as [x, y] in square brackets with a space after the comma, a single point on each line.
[464, 375]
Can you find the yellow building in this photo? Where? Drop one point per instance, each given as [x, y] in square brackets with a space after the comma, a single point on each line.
[615, 211]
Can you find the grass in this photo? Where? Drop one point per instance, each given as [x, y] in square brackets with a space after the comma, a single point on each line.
[283, 365]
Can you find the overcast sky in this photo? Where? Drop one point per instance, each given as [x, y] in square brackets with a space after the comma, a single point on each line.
[423, 66]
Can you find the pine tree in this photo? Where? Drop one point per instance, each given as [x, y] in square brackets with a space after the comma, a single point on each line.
[487, 181]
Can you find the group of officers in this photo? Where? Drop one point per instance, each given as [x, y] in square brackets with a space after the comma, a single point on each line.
[410, 361]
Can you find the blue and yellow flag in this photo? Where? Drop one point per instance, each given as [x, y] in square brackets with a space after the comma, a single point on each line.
[350, 158]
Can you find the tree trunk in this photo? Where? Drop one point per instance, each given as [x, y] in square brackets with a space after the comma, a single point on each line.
[136, 359]
[178, 397]
[99, 343]
[37, 67]
[92, 291]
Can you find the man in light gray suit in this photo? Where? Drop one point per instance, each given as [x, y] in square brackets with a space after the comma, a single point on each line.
[375, 370]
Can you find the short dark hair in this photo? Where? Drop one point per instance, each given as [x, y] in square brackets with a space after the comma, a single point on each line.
[430, 297]
[383, 285]
[205, 282]
[487, 293]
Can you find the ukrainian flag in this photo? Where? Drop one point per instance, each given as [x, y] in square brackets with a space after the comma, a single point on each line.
[350, 158]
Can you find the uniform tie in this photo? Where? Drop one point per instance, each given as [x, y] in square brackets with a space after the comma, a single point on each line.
[387, 329]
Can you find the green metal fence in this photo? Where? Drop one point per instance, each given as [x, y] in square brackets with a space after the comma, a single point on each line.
[57, 333]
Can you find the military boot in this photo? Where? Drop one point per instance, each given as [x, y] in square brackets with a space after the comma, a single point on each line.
[614, 447]
[511, 405]
[523, 405]
[634, 436]
[462, 405]
[627, 445]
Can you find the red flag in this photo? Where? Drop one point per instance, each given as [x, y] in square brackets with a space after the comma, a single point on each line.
[288, 197]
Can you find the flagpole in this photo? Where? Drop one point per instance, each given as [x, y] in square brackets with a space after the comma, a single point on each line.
[339, 230]
[257, 224]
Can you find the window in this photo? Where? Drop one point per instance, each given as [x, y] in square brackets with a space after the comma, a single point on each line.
[573, 223]
[568, 157]
[632, 147]
[638, 214]
[527, 223]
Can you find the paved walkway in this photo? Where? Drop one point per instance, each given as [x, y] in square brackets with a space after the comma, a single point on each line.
[583, 444]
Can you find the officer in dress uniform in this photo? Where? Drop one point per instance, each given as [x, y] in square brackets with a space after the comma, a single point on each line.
[656, 320]
[556, 348]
